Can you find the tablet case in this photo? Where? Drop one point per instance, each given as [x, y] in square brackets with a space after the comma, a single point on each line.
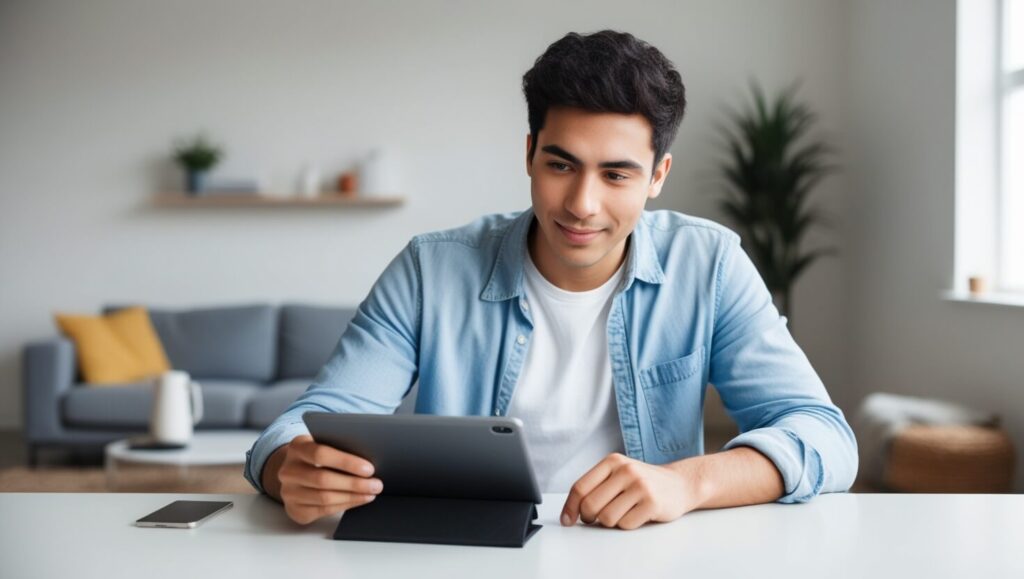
[473, 522]
[480, 491]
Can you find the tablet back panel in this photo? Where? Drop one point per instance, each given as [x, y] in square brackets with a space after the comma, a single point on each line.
[466, 457]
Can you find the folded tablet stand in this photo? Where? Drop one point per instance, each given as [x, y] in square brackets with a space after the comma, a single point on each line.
[477, 522]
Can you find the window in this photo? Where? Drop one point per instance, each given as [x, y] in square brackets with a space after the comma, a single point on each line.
[989, 207]
[1011, 143]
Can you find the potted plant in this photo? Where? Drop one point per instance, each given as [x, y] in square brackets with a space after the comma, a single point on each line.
[197, 156]
[772, 167]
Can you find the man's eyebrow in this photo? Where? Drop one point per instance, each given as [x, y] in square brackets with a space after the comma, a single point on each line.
[560, 152]
[624, 164]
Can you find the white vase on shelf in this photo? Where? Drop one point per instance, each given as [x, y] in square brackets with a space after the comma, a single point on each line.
[309, 181]
[377, 174]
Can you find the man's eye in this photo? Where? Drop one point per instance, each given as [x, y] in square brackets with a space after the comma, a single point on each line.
[558, 166]
[617, 177]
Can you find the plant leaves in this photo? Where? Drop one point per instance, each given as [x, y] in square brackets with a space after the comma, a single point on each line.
[770, 169]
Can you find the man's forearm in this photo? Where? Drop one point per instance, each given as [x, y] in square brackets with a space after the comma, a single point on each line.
[736, 477]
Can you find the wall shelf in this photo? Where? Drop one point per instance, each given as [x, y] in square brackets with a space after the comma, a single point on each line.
[266, 200]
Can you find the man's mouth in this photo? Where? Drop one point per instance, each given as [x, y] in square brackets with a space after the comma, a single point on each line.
[578, 236]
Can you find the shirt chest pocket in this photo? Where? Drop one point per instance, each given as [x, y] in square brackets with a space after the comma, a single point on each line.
[674, 392]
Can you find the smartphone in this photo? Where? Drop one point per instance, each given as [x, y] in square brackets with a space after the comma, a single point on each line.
[183, 514]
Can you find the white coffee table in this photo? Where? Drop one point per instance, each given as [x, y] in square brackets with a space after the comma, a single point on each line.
[206, 449]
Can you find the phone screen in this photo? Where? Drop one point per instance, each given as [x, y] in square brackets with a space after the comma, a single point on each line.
[183, 513]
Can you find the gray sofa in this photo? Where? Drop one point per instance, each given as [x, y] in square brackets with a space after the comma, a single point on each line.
[252, 362]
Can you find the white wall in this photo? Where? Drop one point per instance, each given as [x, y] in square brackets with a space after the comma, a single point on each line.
[901, 184]
[91, 95]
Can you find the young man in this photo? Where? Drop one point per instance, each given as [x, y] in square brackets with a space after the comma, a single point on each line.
[595, 322]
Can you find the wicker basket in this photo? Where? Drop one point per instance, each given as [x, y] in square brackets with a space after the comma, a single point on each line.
[950, 459]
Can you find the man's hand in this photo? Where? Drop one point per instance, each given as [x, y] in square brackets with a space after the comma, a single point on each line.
[315, 480]
[626, 493]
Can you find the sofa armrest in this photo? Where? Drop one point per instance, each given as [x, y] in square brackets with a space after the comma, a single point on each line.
[48, 371]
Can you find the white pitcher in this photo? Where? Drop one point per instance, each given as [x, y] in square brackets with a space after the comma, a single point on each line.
[177, 407]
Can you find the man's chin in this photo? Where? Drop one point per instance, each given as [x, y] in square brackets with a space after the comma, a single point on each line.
[579, 258]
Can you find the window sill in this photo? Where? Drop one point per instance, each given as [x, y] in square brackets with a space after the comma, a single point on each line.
[1015, 300]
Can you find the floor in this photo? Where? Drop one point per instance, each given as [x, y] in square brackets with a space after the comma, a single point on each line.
[62, 471]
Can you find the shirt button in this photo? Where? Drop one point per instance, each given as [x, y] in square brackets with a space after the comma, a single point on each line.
[497, 412]
[526, 305]
[521, 339]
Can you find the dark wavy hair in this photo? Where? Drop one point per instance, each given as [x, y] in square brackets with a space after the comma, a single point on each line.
[607, 71]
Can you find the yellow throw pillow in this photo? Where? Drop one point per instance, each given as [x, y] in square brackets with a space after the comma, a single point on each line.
[119, 347]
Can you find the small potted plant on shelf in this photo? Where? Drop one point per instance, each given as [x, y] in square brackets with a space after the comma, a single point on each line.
[197, 156]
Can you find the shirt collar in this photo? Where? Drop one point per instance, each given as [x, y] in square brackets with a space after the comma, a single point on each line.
[506, 280]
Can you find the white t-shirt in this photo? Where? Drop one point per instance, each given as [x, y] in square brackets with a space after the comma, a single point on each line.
[565, 396]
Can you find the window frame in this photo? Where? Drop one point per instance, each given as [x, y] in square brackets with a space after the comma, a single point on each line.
[1009, 82]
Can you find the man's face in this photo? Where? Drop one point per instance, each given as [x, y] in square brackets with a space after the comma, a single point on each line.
[590, 178]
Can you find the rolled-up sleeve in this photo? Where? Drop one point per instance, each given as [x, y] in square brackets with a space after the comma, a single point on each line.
[770, 389]
[372, 368]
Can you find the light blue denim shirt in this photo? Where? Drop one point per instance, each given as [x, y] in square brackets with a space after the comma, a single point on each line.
[450, 311]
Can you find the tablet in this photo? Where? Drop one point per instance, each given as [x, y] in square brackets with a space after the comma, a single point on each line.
[419, 455]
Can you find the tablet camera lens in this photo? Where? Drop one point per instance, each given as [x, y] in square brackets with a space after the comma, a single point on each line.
[501, 430]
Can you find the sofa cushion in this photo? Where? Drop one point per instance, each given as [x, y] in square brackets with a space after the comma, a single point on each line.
[236, 343]
[115, 348]
[308, 336]
[270, 402]
[128, 406]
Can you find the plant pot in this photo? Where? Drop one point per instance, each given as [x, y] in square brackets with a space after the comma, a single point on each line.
[194, 181]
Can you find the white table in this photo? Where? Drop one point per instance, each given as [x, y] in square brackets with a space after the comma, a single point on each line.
[847, 535]
[208, 448]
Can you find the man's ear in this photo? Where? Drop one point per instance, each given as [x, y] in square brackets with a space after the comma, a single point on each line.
[529, 143]
[660, 173]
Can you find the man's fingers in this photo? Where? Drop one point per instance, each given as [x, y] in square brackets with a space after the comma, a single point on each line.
[636, 517]
[324, 478]
[305, 514]
[321, 455]
[304, 496]
[612, 513]
[587, 483]
[318, 480]
[606, 492]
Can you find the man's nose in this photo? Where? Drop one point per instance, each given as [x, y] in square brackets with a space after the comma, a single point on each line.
[583, 201]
